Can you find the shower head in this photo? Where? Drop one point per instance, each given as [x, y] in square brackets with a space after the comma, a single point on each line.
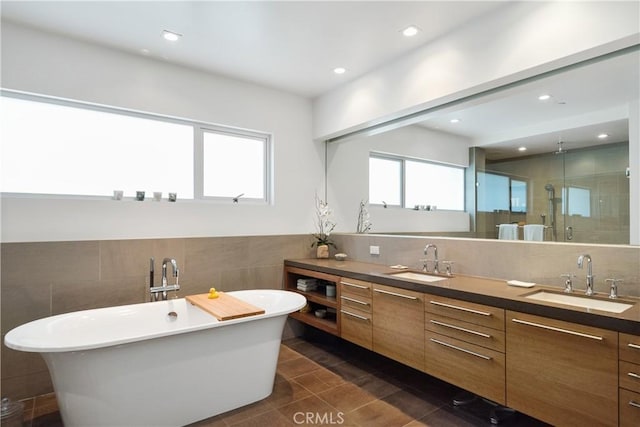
[560, 149]
[550, 191]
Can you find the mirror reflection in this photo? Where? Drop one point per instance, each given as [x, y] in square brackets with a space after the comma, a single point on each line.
[546, 159]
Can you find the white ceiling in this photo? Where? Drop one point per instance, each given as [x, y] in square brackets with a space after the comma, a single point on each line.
[290, 45]
[294, 46]
[586, 101]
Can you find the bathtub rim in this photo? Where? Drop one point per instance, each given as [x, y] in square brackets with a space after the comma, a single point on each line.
[13, 339]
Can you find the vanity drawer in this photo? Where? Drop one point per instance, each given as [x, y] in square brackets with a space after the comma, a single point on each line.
[629, 376]
[355, 287]
[629, 348]
[355, 302]
[468, 332]
[476, 369]
[356, 326]
[478, 314]
[629, 408]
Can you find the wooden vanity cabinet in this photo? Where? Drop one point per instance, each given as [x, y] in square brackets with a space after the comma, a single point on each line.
[560, 372]
[465, 344]
[355, 312]
[398, 324]
[629, 380]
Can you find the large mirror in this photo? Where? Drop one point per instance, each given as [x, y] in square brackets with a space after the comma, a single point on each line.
[544, 159]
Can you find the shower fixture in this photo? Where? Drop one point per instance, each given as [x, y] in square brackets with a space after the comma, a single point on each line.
[560, 149]
[551, 195]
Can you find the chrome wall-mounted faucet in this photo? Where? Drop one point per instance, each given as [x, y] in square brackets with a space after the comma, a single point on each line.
[590, 275]
[163, 290]
[425, 260]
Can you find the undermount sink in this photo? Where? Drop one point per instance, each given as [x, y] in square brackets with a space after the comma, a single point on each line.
[580, 301]
[415, 275]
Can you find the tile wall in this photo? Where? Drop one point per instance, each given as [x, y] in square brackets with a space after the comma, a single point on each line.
[43, 279]
[538, 262]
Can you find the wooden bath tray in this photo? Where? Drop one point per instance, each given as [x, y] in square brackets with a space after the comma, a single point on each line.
[224, 307]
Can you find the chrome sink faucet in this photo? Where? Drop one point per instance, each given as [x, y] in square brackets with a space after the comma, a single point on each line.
[435, 254]
[590, 275]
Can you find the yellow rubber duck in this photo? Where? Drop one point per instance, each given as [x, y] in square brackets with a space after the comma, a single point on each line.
[213, 293]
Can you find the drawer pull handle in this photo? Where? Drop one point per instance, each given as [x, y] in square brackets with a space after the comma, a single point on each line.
[455, 307]
[553, 328]
[634, 404]
[357, 316]
[395, 294]
[473, 353]
[458, 328]
[634, 346]
[634, 375]
[354, 300]
[354, 285]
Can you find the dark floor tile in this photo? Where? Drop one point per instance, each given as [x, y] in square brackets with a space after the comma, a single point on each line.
[319, 380]
[245, 412]
[349, 371]
[294, 367]
[412, 402]
[346, 397]
[309, 411]
[271, 418]
[378, 414]
[287, 353]
[286, 391]
[376, 385]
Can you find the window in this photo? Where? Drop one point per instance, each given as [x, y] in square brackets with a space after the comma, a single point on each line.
[501, 193]
[578, 202]
[234, 165]
[434, 184]
[385, 181]
[518, 196]
[408, 182]
[57, 147]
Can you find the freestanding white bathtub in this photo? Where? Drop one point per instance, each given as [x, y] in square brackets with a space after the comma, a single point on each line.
[138, 365]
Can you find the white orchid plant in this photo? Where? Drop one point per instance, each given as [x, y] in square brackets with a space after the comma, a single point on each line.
[324, 224]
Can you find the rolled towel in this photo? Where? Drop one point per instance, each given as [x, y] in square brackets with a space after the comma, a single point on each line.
[508, 232]
[534, 232]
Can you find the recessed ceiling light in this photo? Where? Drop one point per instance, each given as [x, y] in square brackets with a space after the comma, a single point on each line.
[544, 97]
[522, 148]
[603, 136]
[454, 121]
[339, 70]
[171, 36]
[410, 31]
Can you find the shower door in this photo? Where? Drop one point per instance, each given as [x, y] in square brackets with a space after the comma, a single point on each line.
[595, 195]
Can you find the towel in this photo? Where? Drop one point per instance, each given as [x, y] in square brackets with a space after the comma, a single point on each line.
[508, 232]
[534, 232]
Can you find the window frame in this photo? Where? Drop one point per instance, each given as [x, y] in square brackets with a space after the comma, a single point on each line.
[199, 127]
[392, 158]
[403, 177]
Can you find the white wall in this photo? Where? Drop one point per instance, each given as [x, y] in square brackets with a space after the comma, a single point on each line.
[526, 38]
[348, 179]
[49, 64]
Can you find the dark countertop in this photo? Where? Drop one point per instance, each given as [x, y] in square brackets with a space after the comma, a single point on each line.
[494, 292]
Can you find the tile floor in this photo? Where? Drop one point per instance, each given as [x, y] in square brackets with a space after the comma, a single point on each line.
[322, 380]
